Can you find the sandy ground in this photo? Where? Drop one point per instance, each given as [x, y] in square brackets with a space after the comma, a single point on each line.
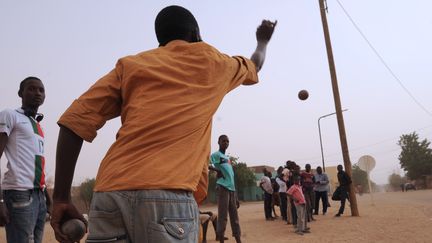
[394, 217]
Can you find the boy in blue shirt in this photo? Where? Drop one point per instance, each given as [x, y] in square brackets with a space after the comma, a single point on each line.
[226, 194]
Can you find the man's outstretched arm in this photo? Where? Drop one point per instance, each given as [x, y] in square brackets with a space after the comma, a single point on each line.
[263, 34]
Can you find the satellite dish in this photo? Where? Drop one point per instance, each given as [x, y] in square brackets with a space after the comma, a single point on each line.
[366, 163]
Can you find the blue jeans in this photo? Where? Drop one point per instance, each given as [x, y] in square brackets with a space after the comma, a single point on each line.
[27, 212]
[147, 216]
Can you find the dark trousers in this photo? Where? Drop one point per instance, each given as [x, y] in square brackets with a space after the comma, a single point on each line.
[267, 205]
[324, 198]
[310, 203]
[213, 219]
[227, 203]
[344, 196]
[283, 205]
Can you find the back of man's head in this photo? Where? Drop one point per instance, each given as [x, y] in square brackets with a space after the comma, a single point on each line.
[176, 23]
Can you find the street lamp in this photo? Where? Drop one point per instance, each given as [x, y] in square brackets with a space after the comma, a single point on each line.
[319, 131]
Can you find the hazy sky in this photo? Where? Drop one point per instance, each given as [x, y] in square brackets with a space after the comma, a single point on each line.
[71, 44]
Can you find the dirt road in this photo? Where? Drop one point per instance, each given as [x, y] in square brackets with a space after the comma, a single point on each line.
[394, 217]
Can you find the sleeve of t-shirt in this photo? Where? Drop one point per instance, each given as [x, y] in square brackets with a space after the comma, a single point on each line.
[290, 190]
[237, 70]
[280, 182]
[7, 121]
[215, 158]
[97, 105]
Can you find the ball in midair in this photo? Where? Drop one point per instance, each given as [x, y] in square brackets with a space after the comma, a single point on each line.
[303, 94]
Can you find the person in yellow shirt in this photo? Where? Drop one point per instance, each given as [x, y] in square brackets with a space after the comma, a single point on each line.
[166, 98]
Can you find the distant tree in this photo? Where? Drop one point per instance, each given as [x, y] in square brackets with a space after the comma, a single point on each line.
[395, 181]
[86, 191]
[212, 183]
[243, 176]
[359, 177]
[416, 156]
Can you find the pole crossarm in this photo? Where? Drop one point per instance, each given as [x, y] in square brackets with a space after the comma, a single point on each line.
[319, 131]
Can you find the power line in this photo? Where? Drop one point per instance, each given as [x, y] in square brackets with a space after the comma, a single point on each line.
[383, 61]
[332, 155]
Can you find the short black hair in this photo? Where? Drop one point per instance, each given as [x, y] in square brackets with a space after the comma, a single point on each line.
[222, 136]
[174, 23]
[23, 84]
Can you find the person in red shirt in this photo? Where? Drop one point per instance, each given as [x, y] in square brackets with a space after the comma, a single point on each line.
[296, 193]
[307, 182]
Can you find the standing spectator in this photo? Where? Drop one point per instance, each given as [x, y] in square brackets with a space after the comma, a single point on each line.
[282, 193]
[286, 175]
[266, 185]
[275, 196]
[23, 197]
[344, 183]
[321, 190]
[226, 194]
[166, 98]
[307, 182]
[296, 193]
[294, 172]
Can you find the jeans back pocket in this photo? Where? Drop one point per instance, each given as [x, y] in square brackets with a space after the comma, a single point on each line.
[106, 227]
[173, 230]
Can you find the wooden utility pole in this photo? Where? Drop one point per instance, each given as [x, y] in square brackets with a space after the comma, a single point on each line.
[338, 106]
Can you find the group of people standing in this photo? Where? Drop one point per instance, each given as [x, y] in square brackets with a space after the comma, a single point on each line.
[298, 193]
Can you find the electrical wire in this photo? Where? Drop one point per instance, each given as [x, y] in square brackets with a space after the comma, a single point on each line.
[360, 148]
[383, 61]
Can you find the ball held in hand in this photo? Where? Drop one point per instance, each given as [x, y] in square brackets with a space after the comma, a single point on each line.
[303, 94]
[74, 229]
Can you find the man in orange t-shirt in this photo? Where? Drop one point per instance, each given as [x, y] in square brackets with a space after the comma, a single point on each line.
[166, 98]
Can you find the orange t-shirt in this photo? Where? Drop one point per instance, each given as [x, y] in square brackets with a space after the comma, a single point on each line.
[166, 98]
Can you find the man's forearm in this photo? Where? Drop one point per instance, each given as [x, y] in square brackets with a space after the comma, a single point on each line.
[68, 148]
[3, 141]
[258, 56]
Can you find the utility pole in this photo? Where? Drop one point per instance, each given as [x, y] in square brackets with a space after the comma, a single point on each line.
[339, 115]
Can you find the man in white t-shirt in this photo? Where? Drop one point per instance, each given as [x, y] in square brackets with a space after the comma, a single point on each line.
[22, 195]
[265, 184]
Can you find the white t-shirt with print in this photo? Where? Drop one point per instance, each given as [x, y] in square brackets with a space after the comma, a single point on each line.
[266, 184]
[24, 151]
